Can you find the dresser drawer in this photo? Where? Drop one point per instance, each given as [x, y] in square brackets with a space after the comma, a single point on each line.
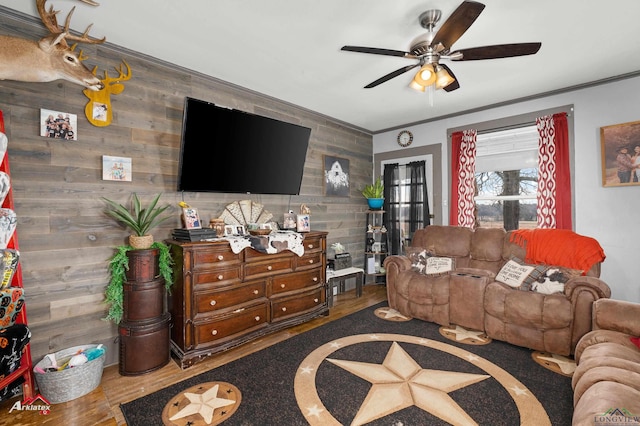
[309, 260]
[217, 276]
[212, 257]
[312, 243]
[288, 306]
[217, 300]
[296, 281]
[242, 321]
[268, 267]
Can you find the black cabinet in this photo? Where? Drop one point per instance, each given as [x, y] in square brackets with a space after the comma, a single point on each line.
[375, 247]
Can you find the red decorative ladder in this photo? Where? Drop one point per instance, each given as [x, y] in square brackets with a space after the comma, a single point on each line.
[26, 368]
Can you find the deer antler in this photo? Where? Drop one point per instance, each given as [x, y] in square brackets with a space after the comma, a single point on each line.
[122, 77]
[51, 23]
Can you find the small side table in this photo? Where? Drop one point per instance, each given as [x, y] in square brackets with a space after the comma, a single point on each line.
[339, 277]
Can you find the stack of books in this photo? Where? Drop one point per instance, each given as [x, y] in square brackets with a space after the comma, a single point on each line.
[181, 234]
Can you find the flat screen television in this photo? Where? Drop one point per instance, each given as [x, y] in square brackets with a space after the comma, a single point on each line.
[227, 150]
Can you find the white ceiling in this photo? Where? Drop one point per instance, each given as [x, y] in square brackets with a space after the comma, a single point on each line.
[290, 49]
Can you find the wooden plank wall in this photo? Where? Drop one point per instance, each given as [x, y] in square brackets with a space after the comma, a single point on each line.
[66, 239]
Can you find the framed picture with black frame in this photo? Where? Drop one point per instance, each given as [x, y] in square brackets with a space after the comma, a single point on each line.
[336, 176]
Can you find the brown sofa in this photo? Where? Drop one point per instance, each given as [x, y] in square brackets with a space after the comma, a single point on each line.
[607, 375]
[470, 296]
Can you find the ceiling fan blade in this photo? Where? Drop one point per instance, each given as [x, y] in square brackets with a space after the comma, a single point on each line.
[376, 51]
[459, 22]
[495, 51]
[390, 76]
[453, 85]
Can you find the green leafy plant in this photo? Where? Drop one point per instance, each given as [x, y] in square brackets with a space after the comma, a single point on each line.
[375, 190]
[119, 264]
[140, 220]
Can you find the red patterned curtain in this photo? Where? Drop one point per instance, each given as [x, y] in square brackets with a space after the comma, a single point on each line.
[463, 167]
[554, 173]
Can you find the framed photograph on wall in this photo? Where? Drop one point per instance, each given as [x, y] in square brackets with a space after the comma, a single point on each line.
[620, 147]
[58, 125]
[336, 176]
[191, 218]
[116, 168]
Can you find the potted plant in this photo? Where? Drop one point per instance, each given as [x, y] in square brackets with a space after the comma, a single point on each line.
[141, 272]
[120, 278]
[374, 193]
[140, 220]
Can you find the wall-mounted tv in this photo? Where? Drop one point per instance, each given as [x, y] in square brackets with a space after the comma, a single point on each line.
[227, 150]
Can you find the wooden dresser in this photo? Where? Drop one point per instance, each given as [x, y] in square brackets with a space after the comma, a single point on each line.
[221, 299]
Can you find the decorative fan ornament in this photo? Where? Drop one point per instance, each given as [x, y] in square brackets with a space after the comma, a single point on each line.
[431, 47]
[244, 212]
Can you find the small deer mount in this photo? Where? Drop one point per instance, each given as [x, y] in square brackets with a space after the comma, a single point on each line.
[98, 109]
[50, 58]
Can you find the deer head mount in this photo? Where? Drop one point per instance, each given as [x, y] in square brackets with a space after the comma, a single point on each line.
[98, 109]
[50, 58]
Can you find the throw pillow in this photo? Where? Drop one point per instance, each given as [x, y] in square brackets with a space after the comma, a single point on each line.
[439, 265]
[535, 275]
[513, 274]
[418, 257]
[11, 302]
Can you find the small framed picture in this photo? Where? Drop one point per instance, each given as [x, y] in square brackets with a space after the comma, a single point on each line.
[304, 224]
[376, 247]
[191, 218]
[229, 230]
[240, 230]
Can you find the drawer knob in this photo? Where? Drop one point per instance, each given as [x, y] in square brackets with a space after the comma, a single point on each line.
[309, 246]
[214, 332]
[269, 268]
[255, 291]
[213, 303]
[220, 277]
[284, 309]
[220, 257]
[310, 261]
[282, 286]
[314, 279]
[315, 300]
[257, 318]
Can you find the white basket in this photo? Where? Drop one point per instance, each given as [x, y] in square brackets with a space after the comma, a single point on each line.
[71, 383]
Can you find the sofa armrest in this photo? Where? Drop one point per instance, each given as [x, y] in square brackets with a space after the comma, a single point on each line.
[594, 285]
[617, 315]
[397, 262]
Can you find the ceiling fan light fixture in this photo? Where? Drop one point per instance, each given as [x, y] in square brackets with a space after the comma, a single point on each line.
[425, 76]
[443, 78]
[416, 86]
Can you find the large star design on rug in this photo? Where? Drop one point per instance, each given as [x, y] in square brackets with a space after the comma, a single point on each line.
[399, 382]
[203, 404]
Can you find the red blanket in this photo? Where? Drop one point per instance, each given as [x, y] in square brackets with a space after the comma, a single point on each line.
[560, 247]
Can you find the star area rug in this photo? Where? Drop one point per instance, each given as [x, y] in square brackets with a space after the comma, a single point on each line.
[372, 367]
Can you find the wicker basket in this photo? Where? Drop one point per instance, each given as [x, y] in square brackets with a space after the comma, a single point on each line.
[72, 383]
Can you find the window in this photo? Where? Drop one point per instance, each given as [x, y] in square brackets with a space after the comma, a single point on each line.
[506, 178]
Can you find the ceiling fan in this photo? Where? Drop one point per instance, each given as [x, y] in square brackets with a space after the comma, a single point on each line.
[433, 46]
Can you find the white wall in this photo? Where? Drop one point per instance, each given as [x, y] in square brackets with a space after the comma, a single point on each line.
[606, 214]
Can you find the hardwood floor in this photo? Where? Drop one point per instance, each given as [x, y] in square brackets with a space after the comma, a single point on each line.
[101, 407]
